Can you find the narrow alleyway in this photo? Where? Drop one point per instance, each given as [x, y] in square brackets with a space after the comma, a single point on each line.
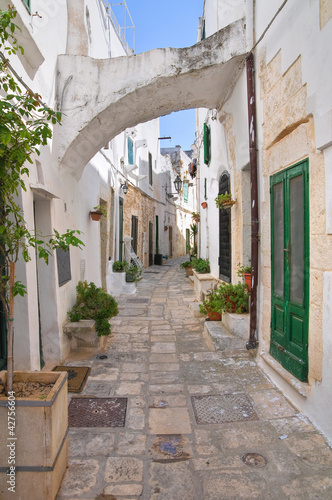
[192, 414]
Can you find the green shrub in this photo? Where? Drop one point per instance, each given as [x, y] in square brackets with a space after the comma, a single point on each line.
[201, 265]
[94, 303]
[234, 296]
[183, 265]
[133, 272]
[213, 302]
[243, 270]
[119, 266]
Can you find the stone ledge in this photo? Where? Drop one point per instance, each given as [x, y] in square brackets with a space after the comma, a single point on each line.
[81, 333]
[203, 282]
[301, 387]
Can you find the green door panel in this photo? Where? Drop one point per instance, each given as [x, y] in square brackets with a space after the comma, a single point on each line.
[290, 268]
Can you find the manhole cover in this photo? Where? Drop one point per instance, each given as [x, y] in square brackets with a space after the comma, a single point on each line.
[220, 409]
[254, 460]
[97, 412]
[138, 301]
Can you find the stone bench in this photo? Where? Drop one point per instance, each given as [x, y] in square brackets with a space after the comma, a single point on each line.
[203, 282]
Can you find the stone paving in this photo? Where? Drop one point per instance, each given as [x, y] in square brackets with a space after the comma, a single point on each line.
[159, 360]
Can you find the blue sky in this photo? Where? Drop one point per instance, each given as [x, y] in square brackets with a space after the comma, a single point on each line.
[168, 23]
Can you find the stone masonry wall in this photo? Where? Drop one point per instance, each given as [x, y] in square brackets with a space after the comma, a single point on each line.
[288, 137]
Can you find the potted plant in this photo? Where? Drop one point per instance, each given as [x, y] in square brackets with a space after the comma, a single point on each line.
[94, 303]
[204, 204]
[234, 298]
[212, 305]
[39, 437]
[98, 212]
[224, 201]
[196, 216]
[202, 266]
[245, 272]
[120, 266]
[188, 267]
[133, 273]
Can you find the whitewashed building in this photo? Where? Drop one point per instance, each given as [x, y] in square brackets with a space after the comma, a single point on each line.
[290, 44]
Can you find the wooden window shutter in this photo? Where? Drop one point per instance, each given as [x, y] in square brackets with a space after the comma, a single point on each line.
[207, 144]
[185, 191]
[130, 151]
[28, 4]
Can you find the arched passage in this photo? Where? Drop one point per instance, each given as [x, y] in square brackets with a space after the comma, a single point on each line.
[125, 91]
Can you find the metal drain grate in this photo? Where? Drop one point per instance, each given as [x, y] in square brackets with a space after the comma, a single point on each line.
[97, 412]
[220, 409]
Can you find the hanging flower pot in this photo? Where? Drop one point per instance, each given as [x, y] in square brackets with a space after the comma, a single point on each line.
[204, 204]
[224, 201]
[96, 215]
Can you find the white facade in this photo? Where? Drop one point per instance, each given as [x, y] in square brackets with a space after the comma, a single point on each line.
[55, 198]
[293, 77]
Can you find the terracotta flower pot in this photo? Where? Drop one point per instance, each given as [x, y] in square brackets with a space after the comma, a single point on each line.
[96, 216]
[247, 279]
[232, 304]
[189, 270]
[204, 204]
[213, 315]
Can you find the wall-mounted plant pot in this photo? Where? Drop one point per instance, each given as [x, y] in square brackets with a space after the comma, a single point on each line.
[158, 259]
[204, 204]
[96, 215]
[130, 277]
[227, 205]
[165, 228]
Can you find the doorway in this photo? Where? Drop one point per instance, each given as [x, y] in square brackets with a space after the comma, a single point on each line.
[170, 241]
[121, 229]
[150, 244]
[290, 268]
[225, 248]
[134, 232]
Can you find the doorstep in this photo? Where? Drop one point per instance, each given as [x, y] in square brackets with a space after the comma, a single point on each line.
[301, 387]
[219, 338]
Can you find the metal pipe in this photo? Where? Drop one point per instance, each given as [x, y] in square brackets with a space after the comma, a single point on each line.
[252, 342]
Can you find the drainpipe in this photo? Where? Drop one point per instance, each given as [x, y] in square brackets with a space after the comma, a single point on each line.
[252, 342]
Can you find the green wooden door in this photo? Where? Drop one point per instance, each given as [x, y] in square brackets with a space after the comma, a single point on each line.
[290, 268]
[120, 229]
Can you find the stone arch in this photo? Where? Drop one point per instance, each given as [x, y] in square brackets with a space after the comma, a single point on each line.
[126, 91]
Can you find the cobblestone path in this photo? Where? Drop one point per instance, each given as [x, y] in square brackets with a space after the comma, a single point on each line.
[193, 415]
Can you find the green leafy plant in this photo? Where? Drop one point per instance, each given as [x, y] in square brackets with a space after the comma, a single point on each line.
[100, 209]
[196, 216]
[201, 265]
[25, 125]
[94, 303]
[133, 272]
[120, 266]
[185, 264]
[243, 270]
[194, 229]
[213, 302]
[223, 200]
[234, 298]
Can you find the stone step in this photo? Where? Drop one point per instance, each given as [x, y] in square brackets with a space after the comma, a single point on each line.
[194, 309]
[219, 338]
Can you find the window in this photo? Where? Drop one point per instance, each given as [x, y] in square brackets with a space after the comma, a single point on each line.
[150, 169]
[203, 30]
[63, 262]
[130, 151]
[185, 191]
[207, 144]
[28, 4]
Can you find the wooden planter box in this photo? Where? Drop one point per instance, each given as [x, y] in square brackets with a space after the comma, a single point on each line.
[41, 444]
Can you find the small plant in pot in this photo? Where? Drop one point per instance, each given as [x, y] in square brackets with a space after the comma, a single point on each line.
[212, 305]
[202, 266]
[196, 216]
[245, 272]
[120, 266]
[188, 267]
[98, 212]
[234, 298]
[224, 201]
[133, 273]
